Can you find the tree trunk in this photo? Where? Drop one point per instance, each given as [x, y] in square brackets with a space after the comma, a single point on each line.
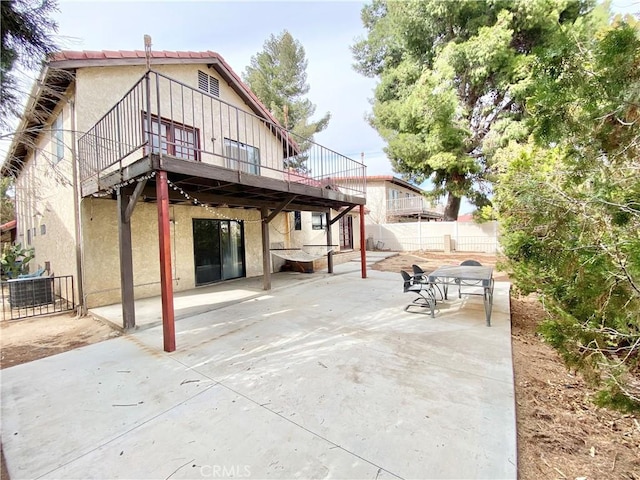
[452, 208]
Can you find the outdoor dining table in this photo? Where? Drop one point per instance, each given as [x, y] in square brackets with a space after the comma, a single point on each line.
[466, 275]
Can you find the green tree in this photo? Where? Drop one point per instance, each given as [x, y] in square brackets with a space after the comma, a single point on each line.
[453, 79]
[7, 208]
[569, 202]
[278, 77]
[25, 40]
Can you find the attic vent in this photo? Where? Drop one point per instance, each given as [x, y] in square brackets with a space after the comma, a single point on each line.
[208, 84]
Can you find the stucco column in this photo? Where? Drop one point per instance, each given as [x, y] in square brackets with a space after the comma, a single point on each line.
[164, 243]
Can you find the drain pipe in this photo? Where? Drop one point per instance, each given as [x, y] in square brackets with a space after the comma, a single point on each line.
[82, 304]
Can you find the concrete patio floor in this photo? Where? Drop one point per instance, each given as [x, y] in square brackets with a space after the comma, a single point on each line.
[212, 297]
[328, 378]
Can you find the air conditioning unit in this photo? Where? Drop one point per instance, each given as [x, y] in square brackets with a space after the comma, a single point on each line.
[30, 292]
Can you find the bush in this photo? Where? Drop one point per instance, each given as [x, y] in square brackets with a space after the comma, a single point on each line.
[15, 260]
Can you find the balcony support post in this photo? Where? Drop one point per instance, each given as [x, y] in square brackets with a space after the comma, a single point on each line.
[329, 243]
[164, 244]
[266, 253]
[363, 249]
[126, 261]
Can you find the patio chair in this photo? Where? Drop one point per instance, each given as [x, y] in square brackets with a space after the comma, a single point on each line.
[425, 298]
[422, 276]
[466, 283]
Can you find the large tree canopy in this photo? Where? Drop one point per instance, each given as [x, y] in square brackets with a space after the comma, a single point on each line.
[569, 202]
[453, 79]
[25, 40]
[277, 75]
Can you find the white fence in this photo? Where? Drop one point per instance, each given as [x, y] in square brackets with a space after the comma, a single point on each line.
[434, 236]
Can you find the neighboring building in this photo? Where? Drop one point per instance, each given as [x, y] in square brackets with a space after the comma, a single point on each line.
[393, 200]
[466, 217]
[115, 162]
[7, 233]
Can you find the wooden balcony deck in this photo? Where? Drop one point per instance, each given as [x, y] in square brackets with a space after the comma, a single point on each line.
[219, 186]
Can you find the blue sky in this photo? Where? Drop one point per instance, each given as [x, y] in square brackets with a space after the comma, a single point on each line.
[237, 30]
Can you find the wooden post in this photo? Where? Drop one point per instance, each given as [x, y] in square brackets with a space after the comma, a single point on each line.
[126, 262]
[329, 244]
[363, 249]
[164, 243]
[266, 253]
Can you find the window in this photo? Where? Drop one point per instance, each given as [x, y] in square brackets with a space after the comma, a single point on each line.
[242, 157]
[173, 138]
[208, 84]
[57, 139]
[29, 237]
[297, 220]
[43, 229]
[318, 221]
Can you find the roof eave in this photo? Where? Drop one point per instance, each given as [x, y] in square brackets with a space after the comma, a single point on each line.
[41, 102]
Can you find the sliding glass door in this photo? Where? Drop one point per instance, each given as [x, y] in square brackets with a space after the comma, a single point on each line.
[218, 250]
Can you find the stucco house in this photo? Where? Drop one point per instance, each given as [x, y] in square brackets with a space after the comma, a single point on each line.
[393, 200]
[143, 173]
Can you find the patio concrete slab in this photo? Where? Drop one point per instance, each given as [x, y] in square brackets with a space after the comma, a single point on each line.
[328, 378]
[212, 297]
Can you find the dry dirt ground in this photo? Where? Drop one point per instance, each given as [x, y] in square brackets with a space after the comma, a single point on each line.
[561, 433]
[38, 337]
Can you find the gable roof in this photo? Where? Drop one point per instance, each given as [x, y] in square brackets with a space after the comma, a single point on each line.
[57, 74]
[394, 180]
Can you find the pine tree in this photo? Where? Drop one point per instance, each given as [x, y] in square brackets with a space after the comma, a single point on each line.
[277, 75]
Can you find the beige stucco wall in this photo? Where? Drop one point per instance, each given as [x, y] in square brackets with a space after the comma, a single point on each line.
[101, 259]
[101, 253]
[100, 88]
[44, 202]
[378, 196]
[376, 202]
[309, 236]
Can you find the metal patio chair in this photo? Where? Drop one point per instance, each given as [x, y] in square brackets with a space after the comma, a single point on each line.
[464, 283]
[422, 276]
[426, 297]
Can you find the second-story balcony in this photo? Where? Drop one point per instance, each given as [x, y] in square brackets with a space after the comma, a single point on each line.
[413, 206]
[214, 148]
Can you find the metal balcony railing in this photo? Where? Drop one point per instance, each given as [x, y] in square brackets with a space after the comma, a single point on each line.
[164, 116]
[410, 206]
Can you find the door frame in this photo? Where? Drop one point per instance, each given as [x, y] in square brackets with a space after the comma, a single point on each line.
[346, 223]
